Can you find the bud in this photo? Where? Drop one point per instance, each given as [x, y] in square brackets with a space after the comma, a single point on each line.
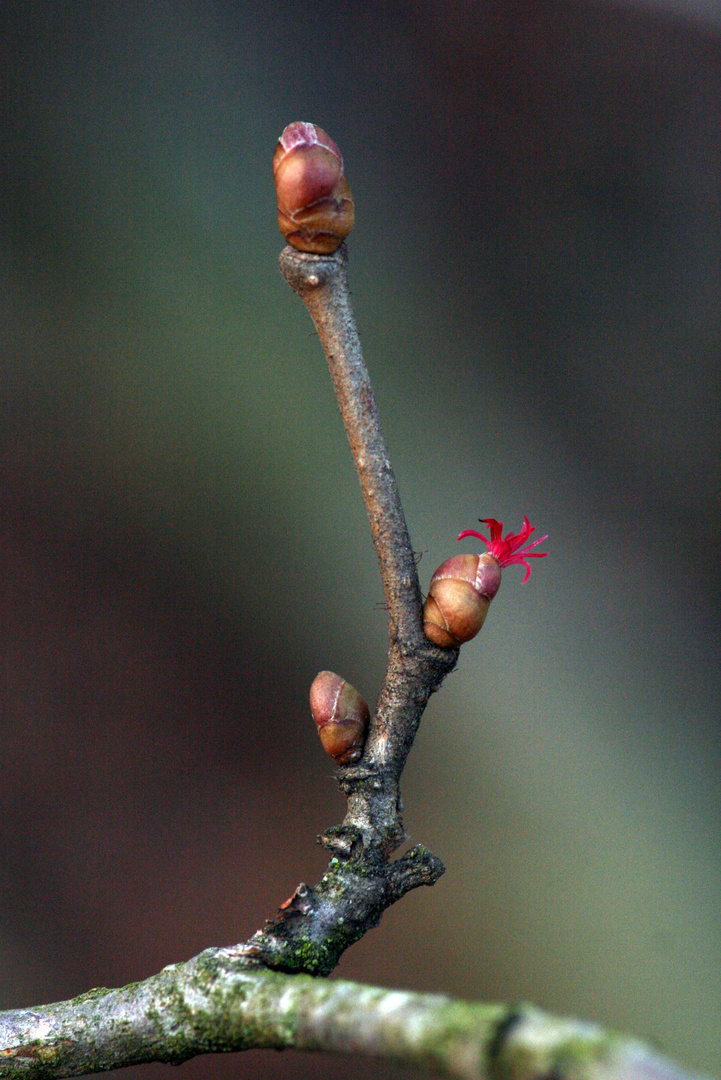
[460, 594]
[462, 587]
[315, 205]
[341, 715]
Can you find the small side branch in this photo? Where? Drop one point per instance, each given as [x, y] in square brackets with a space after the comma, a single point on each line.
[317, 924]
[215, 1003]
[415, 667]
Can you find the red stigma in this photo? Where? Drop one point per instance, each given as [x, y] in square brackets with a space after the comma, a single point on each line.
[509, 549]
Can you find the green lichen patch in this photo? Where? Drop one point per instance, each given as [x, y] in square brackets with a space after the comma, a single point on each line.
[96, 993]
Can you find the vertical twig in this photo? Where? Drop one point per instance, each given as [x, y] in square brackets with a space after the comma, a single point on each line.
[415, 667]
[322, 284]
[317, 924]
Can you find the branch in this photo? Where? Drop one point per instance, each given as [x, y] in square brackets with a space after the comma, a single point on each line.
[317, 924]
[322, 284]
[216, 1003]
[249, 995]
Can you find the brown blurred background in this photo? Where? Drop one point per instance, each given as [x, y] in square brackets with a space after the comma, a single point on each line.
[537, 274]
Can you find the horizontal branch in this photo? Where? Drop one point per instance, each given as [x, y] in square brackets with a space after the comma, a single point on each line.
[216, 1003]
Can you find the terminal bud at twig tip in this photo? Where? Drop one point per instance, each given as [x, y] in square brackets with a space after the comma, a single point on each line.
[341, 715]
[315, 204]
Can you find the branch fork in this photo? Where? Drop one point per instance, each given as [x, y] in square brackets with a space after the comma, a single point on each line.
[257, 993]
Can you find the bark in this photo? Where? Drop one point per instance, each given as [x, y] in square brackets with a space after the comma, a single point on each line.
[217, 1002]
[318, 923]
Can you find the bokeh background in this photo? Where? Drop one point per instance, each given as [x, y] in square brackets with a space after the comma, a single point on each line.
[537, 274]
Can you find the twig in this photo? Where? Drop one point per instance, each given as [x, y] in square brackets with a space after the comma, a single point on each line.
[316, 925]
[216, 1003]
[322, 284]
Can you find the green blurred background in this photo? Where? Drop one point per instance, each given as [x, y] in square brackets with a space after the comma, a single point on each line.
[536, 270]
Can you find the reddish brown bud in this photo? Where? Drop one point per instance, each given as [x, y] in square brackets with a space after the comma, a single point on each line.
[315, 205]
[459, 597]
[342, 717]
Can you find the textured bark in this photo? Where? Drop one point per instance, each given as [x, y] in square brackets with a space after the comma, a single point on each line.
[217, 1002]
[318, 923]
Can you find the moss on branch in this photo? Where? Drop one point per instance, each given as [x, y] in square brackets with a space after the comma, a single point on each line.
[218, 1002]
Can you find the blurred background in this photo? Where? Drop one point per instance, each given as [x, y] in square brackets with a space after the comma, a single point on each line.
[536, 270]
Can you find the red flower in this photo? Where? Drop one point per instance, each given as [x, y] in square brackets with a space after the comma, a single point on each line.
[509, 550]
